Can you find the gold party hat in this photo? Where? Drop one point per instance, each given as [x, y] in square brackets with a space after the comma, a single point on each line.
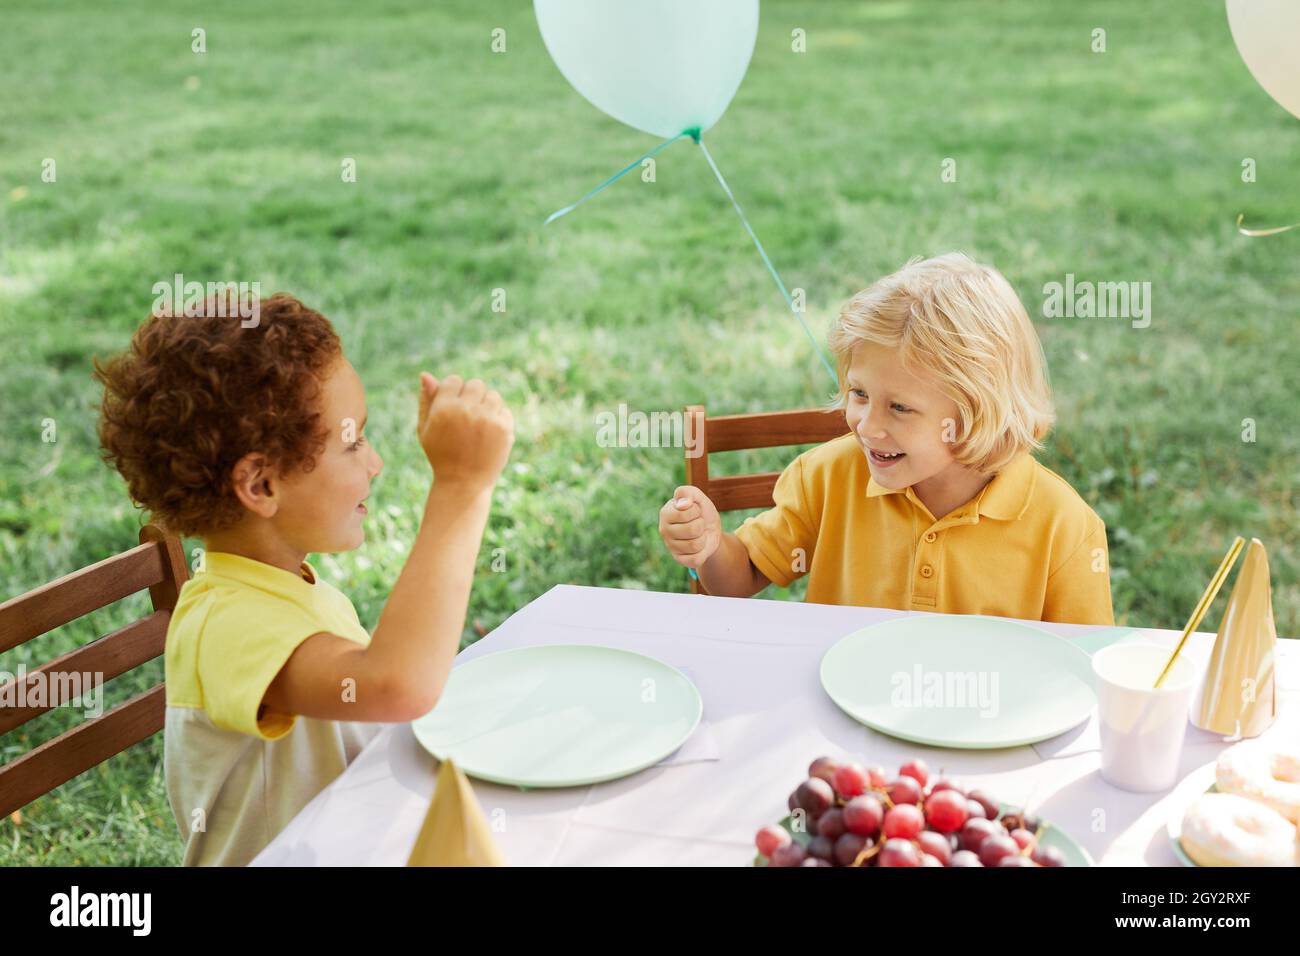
[455, 832]
[1238, 697]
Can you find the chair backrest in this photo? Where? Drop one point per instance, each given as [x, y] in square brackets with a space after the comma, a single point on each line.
[157, 563]
[739, 432]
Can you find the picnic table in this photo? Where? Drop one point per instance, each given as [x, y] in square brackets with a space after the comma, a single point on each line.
[766, 716]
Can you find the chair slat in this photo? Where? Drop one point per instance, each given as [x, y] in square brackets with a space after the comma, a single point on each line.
[57, 761]
[769, 430]
[114, 654]
[166, 592]
[736, 492]
[740, 432]
[74, 595]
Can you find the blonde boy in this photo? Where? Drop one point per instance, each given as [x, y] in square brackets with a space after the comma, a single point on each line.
[934, 501]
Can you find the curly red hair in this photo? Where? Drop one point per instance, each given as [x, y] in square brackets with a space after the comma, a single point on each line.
[193, 395]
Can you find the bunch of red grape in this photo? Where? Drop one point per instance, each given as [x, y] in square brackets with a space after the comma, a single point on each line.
[858, 816]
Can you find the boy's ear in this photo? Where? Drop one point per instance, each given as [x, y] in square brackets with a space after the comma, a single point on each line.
[254, 485]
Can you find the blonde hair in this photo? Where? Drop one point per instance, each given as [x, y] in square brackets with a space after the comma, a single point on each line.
[960, 325]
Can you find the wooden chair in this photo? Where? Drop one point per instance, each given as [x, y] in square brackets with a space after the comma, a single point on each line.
[157, 563]
[741, 432]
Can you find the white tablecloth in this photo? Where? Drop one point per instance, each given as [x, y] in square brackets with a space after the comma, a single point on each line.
[766, 716]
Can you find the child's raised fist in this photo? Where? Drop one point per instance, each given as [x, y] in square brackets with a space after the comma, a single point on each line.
[690, 527]
[465, 429]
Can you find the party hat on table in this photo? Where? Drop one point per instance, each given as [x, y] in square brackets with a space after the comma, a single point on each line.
[1238, 697]
[455, 831]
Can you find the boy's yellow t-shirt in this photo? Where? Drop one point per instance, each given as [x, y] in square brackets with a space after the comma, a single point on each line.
[1027, 546]
[236, 777]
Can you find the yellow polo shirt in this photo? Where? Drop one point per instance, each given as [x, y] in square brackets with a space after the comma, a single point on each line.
[236, 772]
[1027, 546]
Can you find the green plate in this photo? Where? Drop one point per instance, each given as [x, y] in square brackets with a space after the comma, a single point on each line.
[962, 681]
[1074, 853]
[560, 715]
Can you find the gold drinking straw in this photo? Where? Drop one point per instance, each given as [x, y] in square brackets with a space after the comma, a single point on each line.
[1203, 605]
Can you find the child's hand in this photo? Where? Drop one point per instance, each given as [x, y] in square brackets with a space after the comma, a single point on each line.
[690, 527]
[465, 429]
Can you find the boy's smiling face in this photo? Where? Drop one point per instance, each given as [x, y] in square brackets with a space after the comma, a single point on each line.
[894, 413]
[290, 516]
[321, 510]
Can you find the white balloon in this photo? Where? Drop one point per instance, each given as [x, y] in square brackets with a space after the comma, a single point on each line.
[1267, 34]
[662, 66]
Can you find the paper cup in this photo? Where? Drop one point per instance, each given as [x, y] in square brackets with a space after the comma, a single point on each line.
[1142, 728]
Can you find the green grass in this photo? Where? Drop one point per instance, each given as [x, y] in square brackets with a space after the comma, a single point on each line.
[1118, 166]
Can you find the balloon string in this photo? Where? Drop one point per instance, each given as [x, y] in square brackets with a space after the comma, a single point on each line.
[1257, 233]
[776, 277]
[694, 133]
[617, 176]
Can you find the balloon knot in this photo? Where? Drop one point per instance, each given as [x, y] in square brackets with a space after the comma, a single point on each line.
[693, 133]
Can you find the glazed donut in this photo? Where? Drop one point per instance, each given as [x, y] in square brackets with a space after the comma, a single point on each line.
[1269, 774]
[1224, 829]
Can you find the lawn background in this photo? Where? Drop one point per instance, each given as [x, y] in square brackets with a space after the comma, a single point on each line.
[1116, 166]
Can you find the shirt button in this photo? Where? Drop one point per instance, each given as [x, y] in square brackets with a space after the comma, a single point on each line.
[927, 571]
[930, 536]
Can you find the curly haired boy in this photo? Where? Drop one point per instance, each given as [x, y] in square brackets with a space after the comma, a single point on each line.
[253, 438]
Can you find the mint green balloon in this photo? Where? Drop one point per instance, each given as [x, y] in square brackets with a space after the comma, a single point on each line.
[662, 66]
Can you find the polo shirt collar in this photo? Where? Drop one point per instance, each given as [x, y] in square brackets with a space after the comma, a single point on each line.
[257, 573]
[1005, 497]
